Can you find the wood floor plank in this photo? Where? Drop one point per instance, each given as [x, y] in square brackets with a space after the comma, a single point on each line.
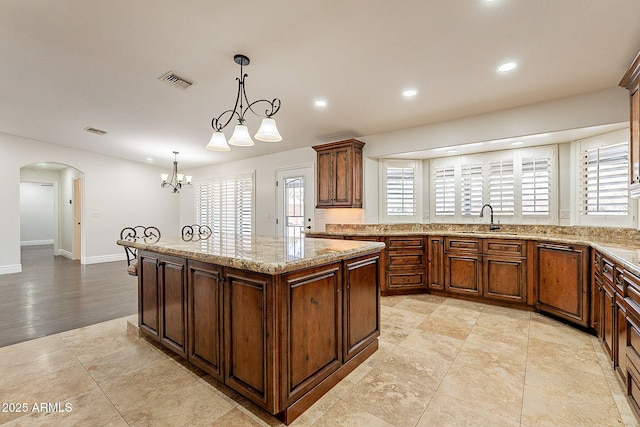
[55, 294]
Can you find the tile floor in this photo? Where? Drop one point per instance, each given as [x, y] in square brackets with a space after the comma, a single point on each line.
[441, 362]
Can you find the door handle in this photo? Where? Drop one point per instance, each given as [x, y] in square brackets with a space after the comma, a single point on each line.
[308, 227]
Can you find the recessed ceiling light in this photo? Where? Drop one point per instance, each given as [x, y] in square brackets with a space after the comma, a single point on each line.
[507, 66]
[409, 93]
[149, 159]
[320, 103]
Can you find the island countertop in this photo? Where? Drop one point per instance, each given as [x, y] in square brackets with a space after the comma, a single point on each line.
[261, 254]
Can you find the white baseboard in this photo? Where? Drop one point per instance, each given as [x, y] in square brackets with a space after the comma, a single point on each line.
[65, 254]
[103, 258]
[10, 269]
[36, 242]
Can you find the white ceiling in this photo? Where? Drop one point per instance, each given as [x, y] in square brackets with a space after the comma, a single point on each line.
[71, 64]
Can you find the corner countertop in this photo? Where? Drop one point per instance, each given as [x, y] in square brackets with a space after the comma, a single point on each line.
[261, 254]
[621, 245]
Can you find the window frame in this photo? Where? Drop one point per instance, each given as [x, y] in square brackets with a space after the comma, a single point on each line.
[385, 164]
[519, 216]
[578, 216]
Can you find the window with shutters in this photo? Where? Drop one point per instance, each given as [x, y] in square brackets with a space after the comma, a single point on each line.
[603, 181]
[226, 204]
[471, 179]
[444, 190]
[519, 185]
[401, 182]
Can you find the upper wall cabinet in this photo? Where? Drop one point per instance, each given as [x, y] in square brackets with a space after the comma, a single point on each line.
[340, 174]
[631, 81]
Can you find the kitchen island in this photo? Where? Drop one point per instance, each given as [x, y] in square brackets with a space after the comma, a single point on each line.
[280, 321]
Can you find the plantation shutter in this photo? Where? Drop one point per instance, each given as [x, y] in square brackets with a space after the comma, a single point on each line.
[444, 190]
[604, 180]
[536, 185]
[226, 205]
[471, 179]
[501, 186]
[401, 191]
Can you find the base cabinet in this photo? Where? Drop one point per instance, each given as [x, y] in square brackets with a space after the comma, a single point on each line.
[279, 340]
[162, 300]
[406, 268]
[204, 323]
[435, 262]
[561, 286]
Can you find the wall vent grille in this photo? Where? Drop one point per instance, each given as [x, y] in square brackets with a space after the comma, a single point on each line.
[96, 131]
[175, 80]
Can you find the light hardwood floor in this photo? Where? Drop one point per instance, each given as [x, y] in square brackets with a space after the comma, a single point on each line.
[55, 294]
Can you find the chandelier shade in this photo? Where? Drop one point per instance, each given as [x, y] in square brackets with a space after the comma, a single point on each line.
[241, 137]
[178, 180]
[218, 142]
[268, 131]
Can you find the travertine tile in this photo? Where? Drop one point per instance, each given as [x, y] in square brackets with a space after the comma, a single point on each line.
[422, 340]
[444, 326]
[390, 398]
[178, 407]
[345, 414]
[424, 368]
[485, 391]
[97, 341]
[235, 418]
[446, 411]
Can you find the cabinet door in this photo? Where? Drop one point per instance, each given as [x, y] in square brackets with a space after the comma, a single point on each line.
[505, 278]
[562, 271]
[342, 176]
[463, 273]
[361, 304]
[325, 178]
[148, 295]
[620, 338]
[249, 335]
[607, 307]
[204, 310]
[435, 256]
[312, 340]
[173, 313]
[596, 284]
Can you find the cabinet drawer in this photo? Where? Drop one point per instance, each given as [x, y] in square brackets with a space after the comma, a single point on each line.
[597, 261]
[405, 259]
[632, 297]
[405, 279]
[405, 242]
[633, 388]
[455, 244]
[607, 270]
[505, 247]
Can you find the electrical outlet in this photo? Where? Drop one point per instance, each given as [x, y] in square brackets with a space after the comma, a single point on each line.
[565, 213]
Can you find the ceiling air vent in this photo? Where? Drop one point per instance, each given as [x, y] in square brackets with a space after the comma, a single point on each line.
[175, 80]
[96, 131]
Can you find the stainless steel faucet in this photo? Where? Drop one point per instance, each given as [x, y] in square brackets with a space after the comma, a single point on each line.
[492, 226]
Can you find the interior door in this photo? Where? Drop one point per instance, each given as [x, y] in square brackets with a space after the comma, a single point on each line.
[294, 188]
[77, 218]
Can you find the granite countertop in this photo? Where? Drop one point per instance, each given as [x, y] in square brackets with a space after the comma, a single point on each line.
[262, 254]
[622, 245]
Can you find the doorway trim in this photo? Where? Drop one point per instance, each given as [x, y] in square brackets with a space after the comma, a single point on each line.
[279, 196]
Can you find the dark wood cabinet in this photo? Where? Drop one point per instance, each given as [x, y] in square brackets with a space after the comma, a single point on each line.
[596, 288]
[620, 338]
[631, 81]
[313, 325]
[148, 294]
[339, 183]
[204, 323]
[162, 299]
[405, 265]
[463, 265]
[361, 305]
[562, 272]
[173, 310]
[607, 318]
[249, 335]
[435, 262]
[505, 270]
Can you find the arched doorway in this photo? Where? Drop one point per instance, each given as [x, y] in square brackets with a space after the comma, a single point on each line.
[51, 208]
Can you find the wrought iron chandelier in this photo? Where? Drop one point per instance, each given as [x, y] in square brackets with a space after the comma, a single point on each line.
[177, 180]
[268, 131]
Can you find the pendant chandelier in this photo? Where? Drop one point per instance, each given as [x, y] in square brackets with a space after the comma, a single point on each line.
[177, 180]
[268, 131]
